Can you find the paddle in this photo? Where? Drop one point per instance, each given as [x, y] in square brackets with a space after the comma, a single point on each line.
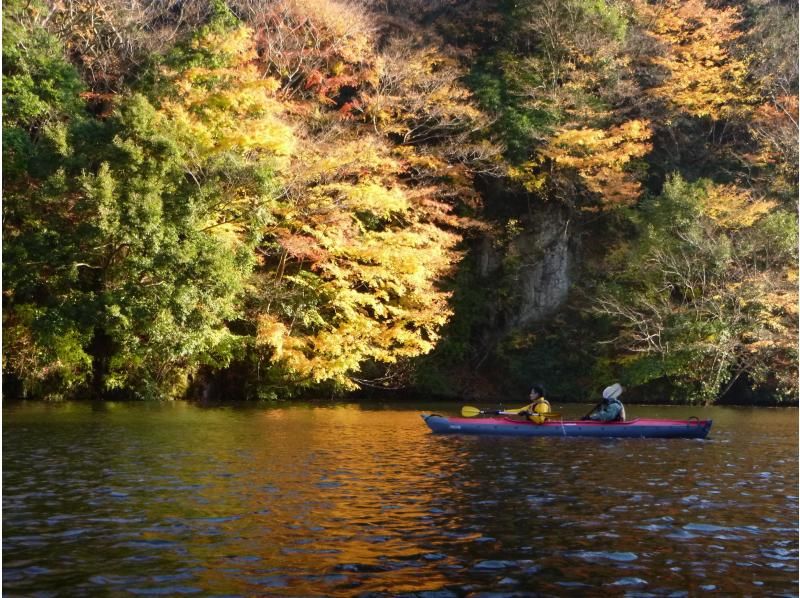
[610, 392]
[468, 411]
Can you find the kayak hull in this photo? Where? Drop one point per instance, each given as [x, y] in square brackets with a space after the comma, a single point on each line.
[504, 426]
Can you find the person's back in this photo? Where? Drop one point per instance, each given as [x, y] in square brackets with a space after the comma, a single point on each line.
[610, 410]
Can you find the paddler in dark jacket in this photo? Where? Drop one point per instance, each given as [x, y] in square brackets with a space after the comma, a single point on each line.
[610, 408]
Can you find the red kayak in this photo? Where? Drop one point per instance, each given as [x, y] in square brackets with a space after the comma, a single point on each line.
[635, 428]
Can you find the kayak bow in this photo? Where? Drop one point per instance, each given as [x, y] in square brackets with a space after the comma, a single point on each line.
[635, 428]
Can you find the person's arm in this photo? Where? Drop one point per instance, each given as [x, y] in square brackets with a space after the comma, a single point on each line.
[526, 410]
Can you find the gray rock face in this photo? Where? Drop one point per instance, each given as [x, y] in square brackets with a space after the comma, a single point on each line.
[544, 274]
[542, 255]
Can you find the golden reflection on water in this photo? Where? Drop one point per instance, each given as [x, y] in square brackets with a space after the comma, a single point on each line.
[330, 492]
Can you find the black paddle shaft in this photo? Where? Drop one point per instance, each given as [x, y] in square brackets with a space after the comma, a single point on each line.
[592, 410]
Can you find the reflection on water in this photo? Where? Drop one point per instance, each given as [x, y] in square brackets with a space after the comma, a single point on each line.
[353, 500]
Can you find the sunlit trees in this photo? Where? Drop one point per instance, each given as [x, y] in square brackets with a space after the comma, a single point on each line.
[572, 49]
[126, 261]
[265, 196]
[418, 96]
[278, 191]
[600, 159]
[697, 302]
[774, 123]
[563, 100]
[350, 268]
[350, 272]
[703, 77]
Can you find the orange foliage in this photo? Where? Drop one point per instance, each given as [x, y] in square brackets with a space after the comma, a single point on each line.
[600, 158]
[301, 247]
[775, 126]
[315, 47]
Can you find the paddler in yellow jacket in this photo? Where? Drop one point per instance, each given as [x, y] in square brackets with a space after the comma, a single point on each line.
[538, 408]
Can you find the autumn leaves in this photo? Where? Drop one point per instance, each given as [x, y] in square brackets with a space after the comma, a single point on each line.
[277, 191]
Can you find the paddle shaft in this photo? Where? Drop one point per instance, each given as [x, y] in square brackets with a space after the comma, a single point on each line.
[473, 411]
[592, 410]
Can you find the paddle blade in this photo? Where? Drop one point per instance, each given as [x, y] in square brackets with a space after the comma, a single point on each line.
[470, 411]
[612, 392]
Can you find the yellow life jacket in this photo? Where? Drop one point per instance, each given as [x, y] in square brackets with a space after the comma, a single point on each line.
[537, 410]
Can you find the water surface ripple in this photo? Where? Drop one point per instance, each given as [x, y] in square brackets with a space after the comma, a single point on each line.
[362, 500]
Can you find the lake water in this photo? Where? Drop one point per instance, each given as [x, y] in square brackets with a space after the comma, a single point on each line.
[362, 500]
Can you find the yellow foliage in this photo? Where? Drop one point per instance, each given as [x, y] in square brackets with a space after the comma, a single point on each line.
[419, 94]
[229, 108]
[600, 157]
[703, 77]
[366, 196]
[379, 258]
[381, 290]
[352, 263]
[413, 159]
[216, 109]
[363, 155]
[527, 176]
[270, 332]
[231, 44]
[735, 208]
[343, 26]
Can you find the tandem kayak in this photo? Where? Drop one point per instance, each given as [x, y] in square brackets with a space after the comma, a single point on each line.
[635, 428]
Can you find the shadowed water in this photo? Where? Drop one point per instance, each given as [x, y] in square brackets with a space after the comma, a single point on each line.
[348, 500]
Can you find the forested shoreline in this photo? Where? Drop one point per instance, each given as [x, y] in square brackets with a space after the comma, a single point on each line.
[265, 199]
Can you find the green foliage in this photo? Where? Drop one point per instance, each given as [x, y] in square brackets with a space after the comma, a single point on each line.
[772, 241]
[578, 18]
[499, 83]
[134, 257]
[40, 91]
[113, 274]
[557, 66]
[694, 299]
[191, 53]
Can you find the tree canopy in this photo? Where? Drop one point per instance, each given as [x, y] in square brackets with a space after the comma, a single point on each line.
[280, 196]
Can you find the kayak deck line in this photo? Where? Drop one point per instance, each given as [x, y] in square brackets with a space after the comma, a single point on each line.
[635, 428]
